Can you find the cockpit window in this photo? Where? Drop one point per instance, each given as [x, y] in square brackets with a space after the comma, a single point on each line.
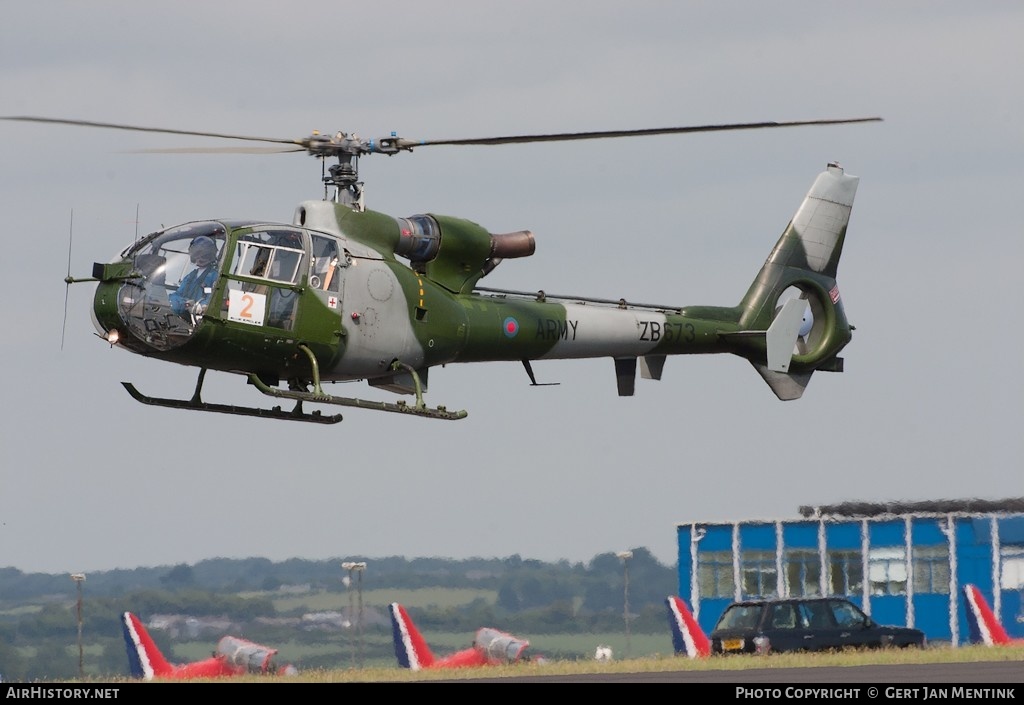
[270, 254]
[174, 274]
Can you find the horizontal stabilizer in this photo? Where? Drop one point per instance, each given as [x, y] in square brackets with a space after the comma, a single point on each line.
[782, 334]
[786, 385]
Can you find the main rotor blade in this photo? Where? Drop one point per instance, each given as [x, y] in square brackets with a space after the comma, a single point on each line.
[218, 150]
[567, 136]
[322, 145]
[136, 128]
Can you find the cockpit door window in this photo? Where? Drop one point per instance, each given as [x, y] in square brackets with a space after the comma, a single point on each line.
[268, 265]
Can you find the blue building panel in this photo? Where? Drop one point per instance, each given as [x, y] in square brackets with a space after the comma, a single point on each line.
[1011, 531]
[886, 533]
[757, 537]
[974, 555]
[929, 533]
[889, 609]
[710, 610]
[1012, 613]
[800, 535]
[931, 615]
[716, 538]
[845, 536]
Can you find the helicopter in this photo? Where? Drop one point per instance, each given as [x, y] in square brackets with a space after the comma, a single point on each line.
[344, 293]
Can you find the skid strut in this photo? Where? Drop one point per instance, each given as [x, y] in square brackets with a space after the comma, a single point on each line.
[317, 396]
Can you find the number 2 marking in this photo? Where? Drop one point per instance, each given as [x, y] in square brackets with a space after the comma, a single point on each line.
[247, 302]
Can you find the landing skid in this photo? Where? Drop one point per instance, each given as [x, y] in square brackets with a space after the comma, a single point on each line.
[196, 404]
[317, 396]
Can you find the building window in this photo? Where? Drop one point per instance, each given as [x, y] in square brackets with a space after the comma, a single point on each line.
[931, 569]
[845, 573]
[760, 577]
[1012, 574]
[803, 573]
[714, 574]
[887, 571]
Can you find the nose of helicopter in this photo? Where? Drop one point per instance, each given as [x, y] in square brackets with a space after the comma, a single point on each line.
[100, 330]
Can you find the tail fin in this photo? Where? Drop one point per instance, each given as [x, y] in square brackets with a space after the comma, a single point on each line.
[982, 623]
[786, 343]
[144, 658]
[687, 636]
[411, 648]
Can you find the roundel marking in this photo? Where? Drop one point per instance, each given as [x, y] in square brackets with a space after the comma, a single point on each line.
[511, 327]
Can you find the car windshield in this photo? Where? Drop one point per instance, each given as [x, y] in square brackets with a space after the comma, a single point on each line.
[847, 615]
[740, 617]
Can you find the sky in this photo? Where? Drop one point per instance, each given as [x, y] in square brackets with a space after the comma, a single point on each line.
[929, 406]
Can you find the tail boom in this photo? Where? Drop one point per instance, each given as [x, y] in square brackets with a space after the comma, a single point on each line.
[786, 342]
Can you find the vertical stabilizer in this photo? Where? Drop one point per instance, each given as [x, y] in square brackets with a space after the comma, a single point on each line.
[981, 621]
[795, 298]
[144, 658]
[411, 648]
[687, 636]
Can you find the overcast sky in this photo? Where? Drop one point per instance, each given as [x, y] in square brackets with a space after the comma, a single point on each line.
[929, 406]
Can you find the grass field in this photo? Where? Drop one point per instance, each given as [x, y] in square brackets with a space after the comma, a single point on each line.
[677, 663]
[941, 654]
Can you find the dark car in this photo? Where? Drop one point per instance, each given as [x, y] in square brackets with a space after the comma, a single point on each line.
[804, 624]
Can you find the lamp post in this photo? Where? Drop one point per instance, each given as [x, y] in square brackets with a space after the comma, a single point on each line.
[625, 556]
[79, 578]
[357, 568]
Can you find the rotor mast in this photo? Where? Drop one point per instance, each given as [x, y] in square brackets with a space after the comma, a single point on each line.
[344, 176]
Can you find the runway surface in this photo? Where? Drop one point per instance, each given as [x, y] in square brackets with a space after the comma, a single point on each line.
[1010, 673]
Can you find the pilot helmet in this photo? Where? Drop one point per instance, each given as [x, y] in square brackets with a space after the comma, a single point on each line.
[202, 250]
[289, 238]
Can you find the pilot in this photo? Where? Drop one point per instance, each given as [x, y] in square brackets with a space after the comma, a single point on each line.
[193, 294]
[289, 238]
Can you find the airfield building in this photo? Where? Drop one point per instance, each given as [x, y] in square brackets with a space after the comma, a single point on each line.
[902, 563]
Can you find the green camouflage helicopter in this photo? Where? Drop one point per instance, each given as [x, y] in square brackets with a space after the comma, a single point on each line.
[344, 293]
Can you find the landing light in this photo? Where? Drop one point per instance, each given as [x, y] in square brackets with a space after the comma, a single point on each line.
[112, 337]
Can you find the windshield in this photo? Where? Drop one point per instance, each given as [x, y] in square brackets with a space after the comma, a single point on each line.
[847, 615]
[174, 272]
[740, 617]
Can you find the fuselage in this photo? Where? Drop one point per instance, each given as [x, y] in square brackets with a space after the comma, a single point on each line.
[343, 294]
[354, 304]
